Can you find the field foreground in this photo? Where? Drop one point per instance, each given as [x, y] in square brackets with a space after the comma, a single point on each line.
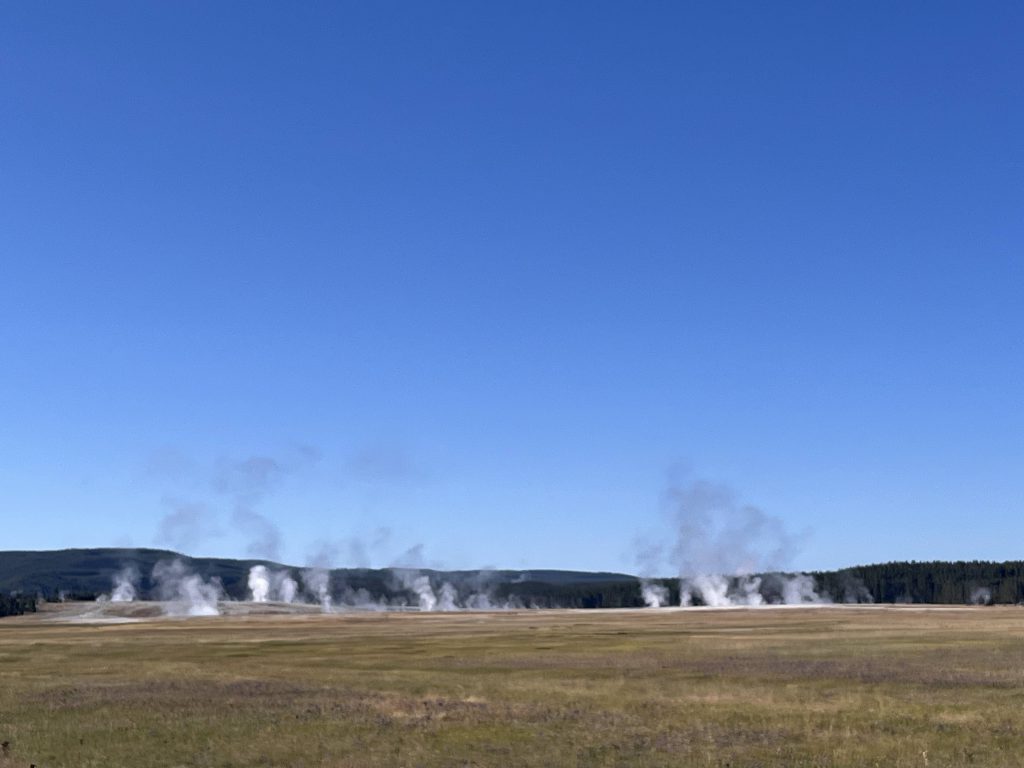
[839, 686]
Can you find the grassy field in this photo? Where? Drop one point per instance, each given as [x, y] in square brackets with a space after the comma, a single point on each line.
[800, 687]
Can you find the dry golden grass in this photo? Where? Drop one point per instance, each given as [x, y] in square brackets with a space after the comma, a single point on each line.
[814, 687]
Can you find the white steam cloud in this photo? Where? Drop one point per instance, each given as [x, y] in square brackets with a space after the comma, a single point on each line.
[185, 593]
[654, 595]
[718, 547]
[418, 585]
[244, 484]
[981, 596]
[125, 585]
[266, 584]
[477, 595]
[318, 585]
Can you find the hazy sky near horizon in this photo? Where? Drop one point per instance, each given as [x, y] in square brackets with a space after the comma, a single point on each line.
[337, 280]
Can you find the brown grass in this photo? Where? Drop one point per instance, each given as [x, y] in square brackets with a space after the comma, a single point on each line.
[821, 687]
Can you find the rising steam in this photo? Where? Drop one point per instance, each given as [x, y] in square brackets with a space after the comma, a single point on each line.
[266, 585]
[185, 593]
[318, 585]
[244, 484]
[725, 553]
[125, 585]
[654, 595]
[981, 596]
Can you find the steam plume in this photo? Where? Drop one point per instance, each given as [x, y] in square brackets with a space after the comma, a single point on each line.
[421, 586]
[244, 483]
[476, 595]
[655, 595]
[318, 585]
[448, 598]
[259, 584]
[185, 593]
[184, 525]
[265, 584]
[981, 596]
[284, 586]
[718, 547]
[125, 581]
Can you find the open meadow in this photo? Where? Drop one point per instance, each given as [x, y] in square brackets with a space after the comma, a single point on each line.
[836, 686]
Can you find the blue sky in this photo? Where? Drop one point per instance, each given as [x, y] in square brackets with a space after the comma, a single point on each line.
[490, 278]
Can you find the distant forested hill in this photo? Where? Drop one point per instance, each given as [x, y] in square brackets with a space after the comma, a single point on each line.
[88, 573]
[952, 583]
[973, 581]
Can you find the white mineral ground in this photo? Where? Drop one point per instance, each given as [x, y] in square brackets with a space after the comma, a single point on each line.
[139, 611]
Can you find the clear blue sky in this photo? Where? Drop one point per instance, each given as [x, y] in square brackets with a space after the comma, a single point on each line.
[478, 276]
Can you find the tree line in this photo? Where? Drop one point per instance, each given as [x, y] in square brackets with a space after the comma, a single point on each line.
[951, 583]
[938, 582]
[16, 605]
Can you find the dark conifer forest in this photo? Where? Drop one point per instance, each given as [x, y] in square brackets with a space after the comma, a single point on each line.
[86, 574]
